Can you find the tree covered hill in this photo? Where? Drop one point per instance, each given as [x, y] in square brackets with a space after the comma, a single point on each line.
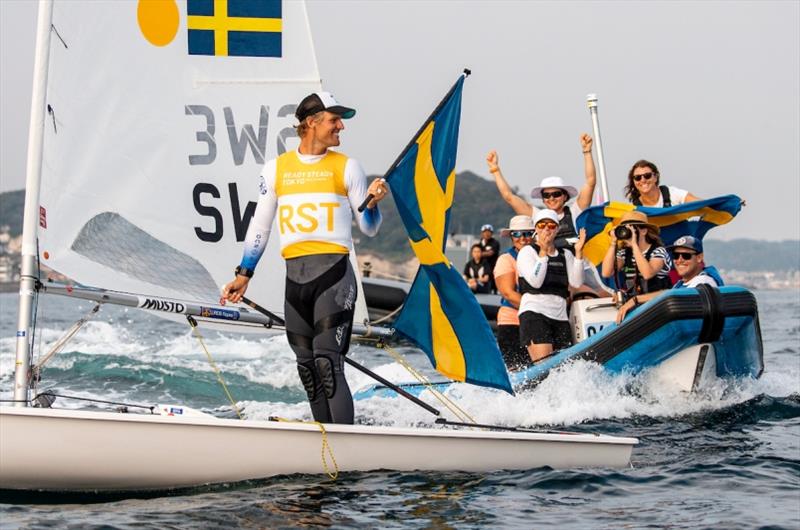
[476, 203]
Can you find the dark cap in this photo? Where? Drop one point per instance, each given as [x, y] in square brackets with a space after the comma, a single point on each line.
[688, 242]
[319, 101]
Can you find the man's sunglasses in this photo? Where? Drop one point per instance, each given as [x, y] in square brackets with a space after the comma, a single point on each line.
[646, 176]
[521, 233]
[546, 224]
[554, 194]
[685, 255]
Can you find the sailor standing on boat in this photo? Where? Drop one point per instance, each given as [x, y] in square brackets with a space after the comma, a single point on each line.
[687, 255]
[545, 275]
[315, 192]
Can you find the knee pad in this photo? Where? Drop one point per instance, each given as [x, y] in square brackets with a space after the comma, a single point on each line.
[307, 378]
[326, 375]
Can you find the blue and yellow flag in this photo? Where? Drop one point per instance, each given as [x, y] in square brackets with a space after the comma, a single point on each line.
[242, 28]
[688, 219]
[441, 315]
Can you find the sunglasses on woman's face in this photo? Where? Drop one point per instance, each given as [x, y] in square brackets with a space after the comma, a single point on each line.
[552, 194]
[646, 176]
[521, 233]
[541, 225]
[686, 256]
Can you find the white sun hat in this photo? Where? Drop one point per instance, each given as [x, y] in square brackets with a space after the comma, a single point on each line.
[518, 222]
[553, 182]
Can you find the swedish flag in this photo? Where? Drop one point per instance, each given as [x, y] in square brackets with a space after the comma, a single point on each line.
[691, 218]
[441, 315]
[243, 28]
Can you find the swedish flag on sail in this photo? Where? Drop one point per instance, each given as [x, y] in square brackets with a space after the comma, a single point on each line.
[691, 218]
[441, 314]
[243, 28]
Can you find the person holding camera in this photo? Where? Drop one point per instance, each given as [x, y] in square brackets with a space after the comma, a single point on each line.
[553, 193]
[643, 188]
[545, 274]
[637, 251]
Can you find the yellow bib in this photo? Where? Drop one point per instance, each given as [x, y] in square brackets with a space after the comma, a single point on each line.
[314, 214]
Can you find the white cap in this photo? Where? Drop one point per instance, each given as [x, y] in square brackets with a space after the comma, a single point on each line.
[543, 214]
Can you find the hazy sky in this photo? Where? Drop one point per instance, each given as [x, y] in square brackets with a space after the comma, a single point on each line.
[709, 91]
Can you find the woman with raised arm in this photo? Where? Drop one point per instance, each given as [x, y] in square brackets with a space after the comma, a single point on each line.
[553, 193]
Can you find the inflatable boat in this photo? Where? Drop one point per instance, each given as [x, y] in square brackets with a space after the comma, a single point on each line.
[684, 336]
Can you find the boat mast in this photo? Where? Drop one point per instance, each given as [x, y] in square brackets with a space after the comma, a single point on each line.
[591, 99]
[30, 251]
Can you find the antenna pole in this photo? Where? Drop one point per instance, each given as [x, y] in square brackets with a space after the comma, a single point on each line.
[591, 100]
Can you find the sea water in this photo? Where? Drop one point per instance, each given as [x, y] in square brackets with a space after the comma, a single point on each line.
[726, 457]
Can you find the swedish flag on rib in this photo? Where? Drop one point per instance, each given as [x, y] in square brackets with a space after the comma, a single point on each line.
[243, 28]
[691, 218]
[441, 314]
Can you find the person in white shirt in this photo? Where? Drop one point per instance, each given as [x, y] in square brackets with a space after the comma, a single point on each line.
[545, 274]
[687, 255]
[643, 188]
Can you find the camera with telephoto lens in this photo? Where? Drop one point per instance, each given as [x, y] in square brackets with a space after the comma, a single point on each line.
[623, 232]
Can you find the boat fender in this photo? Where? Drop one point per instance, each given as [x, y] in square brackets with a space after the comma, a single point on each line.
[326, 375]
[713, 317]
[307, 378]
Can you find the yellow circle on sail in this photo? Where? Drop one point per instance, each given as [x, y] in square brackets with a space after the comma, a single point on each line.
[158, 20]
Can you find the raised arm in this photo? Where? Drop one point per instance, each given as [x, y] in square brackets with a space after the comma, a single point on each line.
[584, 199]
[518, 204]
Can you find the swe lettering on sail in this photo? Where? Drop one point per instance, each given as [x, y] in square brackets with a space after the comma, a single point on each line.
[207, 196]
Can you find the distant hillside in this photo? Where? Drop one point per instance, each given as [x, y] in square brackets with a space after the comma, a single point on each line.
[12, 203]
[752, 255]
[477, 202]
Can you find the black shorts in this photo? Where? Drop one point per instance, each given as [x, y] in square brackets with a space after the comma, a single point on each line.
[538, 329]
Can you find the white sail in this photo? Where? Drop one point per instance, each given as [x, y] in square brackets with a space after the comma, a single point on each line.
[156, 132]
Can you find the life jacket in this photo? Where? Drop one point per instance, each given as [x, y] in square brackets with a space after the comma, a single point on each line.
[634, 283]
[514, 253]
[313, 213]
[555, 280]
[566, 230]
[664, 195]
[707, 271]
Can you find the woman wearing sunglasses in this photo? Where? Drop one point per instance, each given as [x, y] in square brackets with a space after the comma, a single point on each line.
[553, 193]
[520, 230]
[643, 188]
[642, 256]
[545, 274]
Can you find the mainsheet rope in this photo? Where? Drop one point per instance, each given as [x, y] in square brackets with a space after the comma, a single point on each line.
[449, 403]
[196, 332]
[325, 444]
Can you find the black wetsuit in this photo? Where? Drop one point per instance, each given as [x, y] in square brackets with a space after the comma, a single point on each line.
[321, 294]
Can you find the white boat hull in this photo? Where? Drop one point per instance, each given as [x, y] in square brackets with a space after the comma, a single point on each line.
[69, 450]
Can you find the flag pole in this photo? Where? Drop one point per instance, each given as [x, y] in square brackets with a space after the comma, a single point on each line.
[591, 100]
[397, 161]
